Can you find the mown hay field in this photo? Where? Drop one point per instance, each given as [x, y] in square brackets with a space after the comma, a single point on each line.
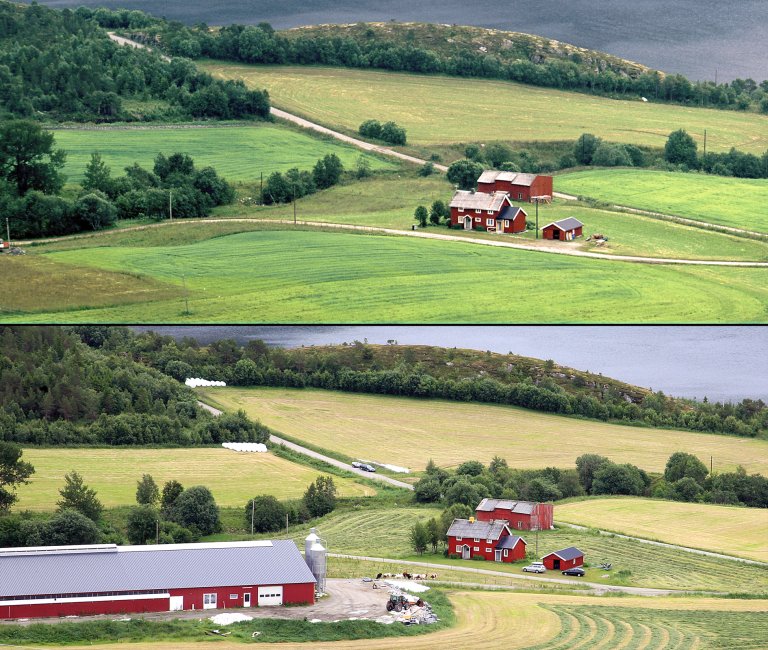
[735, 531]
[559, 622]
[735, 202]
[296, 276]
[238, 153]
[439, 109]
[232, 477]
[410, 431]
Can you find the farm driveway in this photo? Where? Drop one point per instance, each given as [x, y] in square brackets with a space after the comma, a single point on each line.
[326, 459]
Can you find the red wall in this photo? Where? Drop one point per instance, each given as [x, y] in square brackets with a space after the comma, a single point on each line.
[542, 185]
[549, 562]
[454, 547]
[193, 598]
[515, 225]
[549, 232]
[518, 521]
[85, 609]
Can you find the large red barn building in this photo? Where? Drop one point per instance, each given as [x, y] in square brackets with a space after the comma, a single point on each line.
[520, 187]
[108, 579]
[518, 515]
[491, 540]
[492, 212]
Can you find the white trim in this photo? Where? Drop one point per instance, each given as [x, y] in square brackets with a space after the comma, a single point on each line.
[82, 599]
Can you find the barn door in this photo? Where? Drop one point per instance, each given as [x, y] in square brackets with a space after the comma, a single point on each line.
[556, 564]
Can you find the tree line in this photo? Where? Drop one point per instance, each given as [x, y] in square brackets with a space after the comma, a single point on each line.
[261, 44]
[61, 65]
[31, 182]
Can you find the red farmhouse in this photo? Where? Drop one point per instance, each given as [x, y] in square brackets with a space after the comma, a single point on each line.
[489, 539]
[521, 187]
[565, 229]
[519, 515]
[489, 212]
[565, 559]
[109, 579]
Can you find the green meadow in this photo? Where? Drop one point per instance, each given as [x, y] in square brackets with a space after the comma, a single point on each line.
[238, 153]
[439, 109]
[299, 276]
[736, 202]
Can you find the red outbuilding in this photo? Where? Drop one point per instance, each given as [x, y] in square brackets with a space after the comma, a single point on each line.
[108, 579]
[565, 559]
[491, 540]
[564, 230]
[518, 515]
[487, 212]
[520, 187]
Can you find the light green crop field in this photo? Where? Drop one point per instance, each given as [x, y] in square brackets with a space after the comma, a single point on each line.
[295, 276]
[736, 202]
[453, 432]
[232, 477]
[439, 109]
[735, 531]
[238, 153]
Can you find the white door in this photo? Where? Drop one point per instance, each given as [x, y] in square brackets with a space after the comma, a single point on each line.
[498, 555]
[465, 553]
[467, 223]
[209, 601]
[270, 596]
[246, 600]
[177, 603]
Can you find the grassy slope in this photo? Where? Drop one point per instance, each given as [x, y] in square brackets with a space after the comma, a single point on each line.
[238, 153]
[452, 432]
[289, 276]
[434, 109]
[738, 202]
[113, 473]
[737, 531]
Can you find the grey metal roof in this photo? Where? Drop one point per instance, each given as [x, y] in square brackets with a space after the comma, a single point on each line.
[569, 553]
[491, 176]
[510, 541]
[565, 224]
[479, 529]
[478, 200]
[520, 507]
[141, 568]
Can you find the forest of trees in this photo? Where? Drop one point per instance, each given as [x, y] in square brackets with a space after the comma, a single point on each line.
[56, 390]
[261, 44]
[392, 370]
[62, 65]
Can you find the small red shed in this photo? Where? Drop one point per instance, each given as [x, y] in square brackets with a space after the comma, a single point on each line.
[519, 515]
[521, 187]
[491, 540]
[564, 230]
[564, 559]
[488, 212]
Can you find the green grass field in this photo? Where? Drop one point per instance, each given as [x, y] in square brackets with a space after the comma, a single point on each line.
[736, 202]
[238, 153]
[440, 109]
[113, 473]
[452, 432]
[735, 531]
[299, 276]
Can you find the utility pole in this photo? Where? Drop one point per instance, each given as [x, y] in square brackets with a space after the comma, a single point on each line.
[170, 205]
[8, 231]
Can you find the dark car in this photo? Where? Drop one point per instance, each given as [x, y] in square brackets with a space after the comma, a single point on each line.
[574, 571]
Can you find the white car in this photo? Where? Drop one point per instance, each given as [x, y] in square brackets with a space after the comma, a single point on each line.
[535, 567]
[357, 464]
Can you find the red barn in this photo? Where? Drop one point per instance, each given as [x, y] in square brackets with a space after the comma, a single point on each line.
[518, 515]
[488, 212]
[565, 559]
[521, 187]
[491, 540]
[564, 230]
[108, 579]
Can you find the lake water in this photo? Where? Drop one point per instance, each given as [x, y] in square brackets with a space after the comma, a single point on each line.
[721, 363]
[698, 38]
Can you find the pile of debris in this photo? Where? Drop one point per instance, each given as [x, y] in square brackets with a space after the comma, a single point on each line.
[598, 238]
[409, 610]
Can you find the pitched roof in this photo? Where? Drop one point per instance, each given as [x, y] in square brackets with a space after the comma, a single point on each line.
[479, 200]
[520, 507]
[510, 541]
[491, 176]
[569, 553]
[107, 567]
[565, 224]
[511, 212]
[479, 529]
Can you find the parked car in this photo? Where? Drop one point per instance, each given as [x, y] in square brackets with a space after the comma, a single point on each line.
[574, 571]
[357, 465]
[535, 567]
[367, 467]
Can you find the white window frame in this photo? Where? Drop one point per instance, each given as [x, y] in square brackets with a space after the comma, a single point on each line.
[476, 540]
[520, 196]
[458, 539]
[233, 596]
[478, 210]
[461, 209]
[478, 219]
[489, 211]
[488, 550]
[506, 552]
[476, 549]
[489, 222]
